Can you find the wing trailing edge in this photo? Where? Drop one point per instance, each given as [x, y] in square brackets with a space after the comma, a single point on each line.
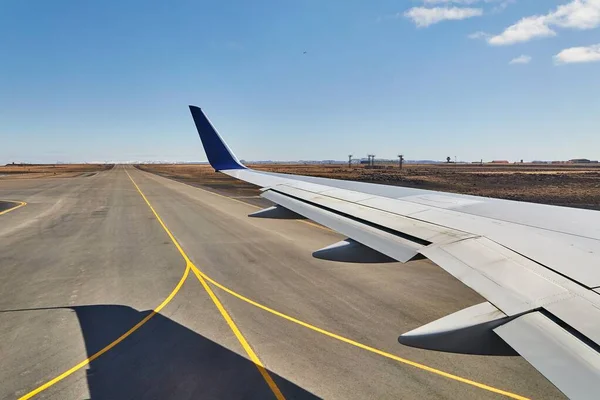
[571, 364]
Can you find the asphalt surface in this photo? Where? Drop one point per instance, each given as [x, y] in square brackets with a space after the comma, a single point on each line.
[87, 260]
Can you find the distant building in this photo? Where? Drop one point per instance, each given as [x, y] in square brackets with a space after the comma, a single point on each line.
[582, 161]
[499, 162]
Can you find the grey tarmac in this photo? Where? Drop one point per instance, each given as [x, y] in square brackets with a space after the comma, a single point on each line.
[86, 260]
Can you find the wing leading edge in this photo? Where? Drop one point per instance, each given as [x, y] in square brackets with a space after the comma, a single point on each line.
[540, 277]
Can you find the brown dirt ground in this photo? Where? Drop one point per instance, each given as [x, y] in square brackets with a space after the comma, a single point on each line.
[28, 171]
[564, 185]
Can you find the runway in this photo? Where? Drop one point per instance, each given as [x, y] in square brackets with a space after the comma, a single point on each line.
[127, 285]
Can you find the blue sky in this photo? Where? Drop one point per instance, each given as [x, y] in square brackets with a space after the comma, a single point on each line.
[111, 80]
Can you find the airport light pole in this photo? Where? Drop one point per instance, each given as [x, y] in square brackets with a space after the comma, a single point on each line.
[349, 160]
[400, 160]
[372, 160]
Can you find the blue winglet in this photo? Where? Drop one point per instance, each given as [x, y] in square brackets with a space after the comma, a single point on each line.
[218, 153]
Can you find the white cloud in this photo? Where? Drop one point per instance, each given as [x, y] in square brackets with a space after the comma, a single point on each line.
[578, 55]
[423, 17]
[578, 14]
[524, 30]
[522, 59]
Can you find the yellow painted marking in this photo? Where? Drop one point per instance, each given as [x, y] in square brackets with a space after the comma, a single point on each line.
[265, 374]
[113, 344]
[259, 365]
[21, 204]
[205, 278]
[358, 344]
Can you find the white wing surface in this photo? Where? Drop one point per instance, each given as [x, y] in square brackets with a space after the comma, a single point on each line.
[537, 266]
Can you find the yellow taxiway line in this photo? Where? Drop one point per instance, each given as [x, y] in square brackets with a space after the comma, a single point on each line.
[265, 374]
[204, 280]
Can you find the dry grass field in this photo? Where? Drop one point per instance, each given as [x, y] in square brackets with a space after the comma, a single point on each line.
[28, 171]
[564, 185]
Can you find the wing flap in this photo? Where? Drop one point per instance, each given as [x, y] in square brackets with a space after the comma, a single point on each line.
[580, 314]
[512, 283]
[384, 242]
[569, 363]
[399, 223]
[570, 255]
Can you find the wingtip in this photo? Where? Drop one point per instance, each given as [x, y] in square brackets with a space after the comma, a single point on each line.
[194, 109]
[218, 153]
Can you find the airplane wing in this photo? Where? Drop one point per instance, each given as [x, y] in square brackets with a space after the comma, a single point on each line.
[537, 266]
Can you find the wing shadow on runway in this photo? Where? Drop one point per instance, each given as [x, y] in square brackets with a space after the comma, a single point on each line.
[5, 205]
[164, 360]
